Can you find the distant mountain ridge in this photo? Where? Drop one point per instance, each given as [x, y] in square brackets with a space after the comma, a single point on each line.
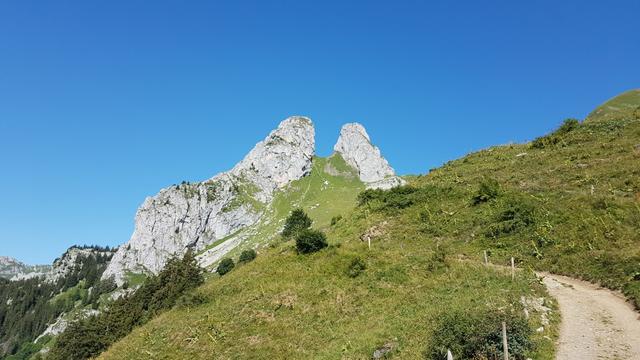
[37, 302]
[12, 268]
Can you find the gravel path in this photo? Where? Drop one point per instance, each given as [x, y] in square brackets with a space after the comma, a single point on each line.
[596, 323]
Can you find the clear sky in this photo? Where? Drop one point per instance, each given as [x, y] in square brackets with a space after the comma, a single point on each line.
[102, 103]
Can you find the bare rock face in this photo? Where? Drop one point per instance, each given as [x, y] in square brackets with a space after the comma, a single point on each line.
[357, 150]
[194, 216]
[65, 264]
[285, 155]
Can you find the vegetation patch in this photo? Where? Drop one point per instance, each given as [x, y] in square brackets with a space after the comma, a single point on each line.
[309, 241]
[296, 223]
[356, 267]
[247, 256]
[477, 334]
[225, 266]
[558, 137]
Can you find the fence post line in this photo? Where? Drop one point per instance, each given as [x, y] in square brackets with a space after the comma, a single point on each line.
[513, 269]
[505, 344]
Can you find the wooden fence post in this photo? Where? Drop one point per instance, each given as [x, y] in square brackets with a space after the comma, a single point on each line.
[513, 269]
[486, 260]
[449, 355]
[505, 344]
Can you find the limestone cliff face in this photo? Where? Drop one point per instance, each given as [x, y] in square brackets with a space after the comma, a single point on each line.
[357, 150]
[194, 216]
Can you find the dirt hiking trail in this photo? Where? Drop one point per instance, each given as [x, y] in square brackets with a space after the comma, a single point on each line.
[596, 323]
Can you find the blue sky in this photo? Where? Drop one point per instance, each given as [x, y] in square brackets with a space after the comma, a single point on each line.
[102, 103]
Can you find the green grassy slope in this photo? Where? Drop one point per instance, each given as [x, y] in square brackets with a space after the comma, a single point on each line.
[287, 306]
[628, 101]
[570, 205]
[584, 193]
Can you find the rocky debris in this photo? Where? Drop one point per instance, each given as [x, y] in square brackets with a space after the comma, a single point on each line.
[13, 269]
[374, 231]
[536, 304]
[357, 150]
[193, 216]
[385, 349]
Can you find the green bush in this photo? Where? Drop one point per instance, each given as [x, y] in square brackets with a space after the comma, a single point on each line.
[544, 142]
[400, 197]
[247, 256]
[356, 267]
[567, 126]
[517, 213]
[335, 220]
[489, 189]
[557, 136]
[477, 334]
[225, 266]
[309, 241]
[369, 196]
[295, 223]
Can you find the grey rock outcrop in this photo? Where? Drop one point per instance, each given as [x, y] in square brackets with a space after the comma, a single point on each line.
[355, 146]
[194, 216]
[66, 263]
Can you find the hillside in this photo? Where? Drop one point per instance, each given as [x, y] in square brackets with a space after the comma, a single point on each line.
[567, 203]
[617, 107]
[283, 305]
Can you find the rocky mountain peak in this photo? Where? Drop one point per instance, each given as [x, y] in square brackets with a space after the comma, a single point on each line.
[355, 146]
[283, 156]
[194, 216]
